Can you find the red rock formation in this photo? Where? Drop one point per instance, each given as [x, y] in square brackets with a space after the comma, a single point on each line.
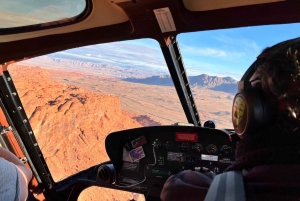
[70, 123]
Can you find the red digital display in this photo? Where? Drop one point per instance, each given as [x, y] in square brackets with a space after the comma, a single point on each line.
[187, 137]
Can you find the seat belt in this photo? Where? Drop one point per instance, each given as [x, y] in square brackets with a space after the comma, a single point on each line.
[228, 186]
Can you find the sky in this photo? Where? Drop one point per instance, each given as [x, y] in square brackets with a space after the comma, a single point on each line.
[229, 52]
[226, 52]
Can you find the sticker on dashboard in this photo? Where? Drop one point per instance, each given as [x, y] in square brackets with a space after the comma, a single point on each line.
[138, 142]
[173, 156]
[226, 160]
[126, 156]
[137, 154]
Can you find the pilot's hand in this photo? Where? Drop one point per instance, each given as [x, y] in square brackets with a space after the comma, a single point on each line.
[187, 185]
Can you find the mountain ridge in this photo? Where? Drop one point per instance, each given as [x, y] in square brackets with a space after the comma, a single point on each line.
[88, 67]
[131, 74]
[225, 84]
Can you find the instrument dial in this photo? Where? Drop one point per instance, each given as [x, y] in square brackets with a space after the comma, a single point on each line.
[211, 148]
[197, 148]
[226, 150]
[184, 146]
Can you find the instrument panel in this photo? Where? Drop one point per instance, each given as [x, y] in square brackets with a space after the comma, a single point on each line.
[146, 157]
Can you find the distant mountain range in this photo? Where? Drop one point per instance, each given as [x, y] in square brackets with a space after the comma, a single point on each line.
[225, 84]
[88, 67]
[130, 74]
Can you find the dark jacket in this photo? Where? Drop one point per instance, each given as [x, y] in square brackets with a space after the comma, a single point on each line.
[268, 183]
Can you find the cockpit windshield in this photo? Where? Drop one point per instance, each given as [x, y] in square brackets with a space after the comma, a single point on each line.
[216, 60]
[75, 98]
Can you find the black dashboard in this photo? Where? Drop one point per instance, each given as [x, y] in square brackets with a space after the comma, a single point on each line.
[143, 158]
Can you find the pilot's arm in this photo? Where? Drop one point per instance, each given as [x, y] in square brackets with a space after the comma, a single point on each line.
[24, 172]
[186, 186]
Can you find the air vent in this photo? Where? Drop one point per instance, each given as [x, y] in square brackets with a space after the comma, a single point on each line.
[106, 173]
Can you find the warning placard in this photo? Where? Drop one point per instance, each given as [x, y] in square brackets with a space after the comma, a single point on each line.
[187, 137]
[165, 19]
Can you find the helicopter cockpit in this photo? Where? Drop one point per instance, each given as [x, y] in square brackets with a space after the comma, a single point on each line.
[105, 100]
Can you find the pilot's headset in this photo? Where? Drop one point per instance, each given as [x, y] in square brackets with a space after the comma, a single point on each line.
[251, 108]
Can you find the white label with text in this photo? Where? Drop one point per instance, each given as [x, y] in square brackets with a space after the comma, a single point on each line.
[209, 157]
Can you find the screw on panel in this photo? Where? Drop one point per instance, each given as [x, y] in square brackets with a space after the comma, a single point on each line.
[30, 132]
[14, 93]
[19, 108]
[8, 79]
[7, 96]
[23, 160]
[35, 144]
[24, 121]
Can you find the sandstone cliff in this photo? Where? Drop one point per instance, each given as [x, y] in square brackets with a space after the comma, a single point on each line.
[70, 124]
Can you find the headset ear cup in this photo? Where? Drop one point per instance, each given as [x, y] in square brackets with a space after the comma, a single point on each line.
[250, 111]
[240, 113]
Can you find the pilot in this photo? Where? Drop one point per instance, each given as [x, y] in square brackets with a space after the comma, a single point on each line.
[266, 116]
[14, 177]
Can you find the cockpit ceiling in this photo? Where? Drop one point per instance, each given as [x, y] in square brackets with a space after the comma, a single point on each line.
[104, 13]
[113, 12]
[117, 20]
[206, 5]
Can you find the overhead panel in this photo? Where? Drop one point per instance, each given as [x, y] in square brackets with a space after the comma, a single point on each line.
[206, 5]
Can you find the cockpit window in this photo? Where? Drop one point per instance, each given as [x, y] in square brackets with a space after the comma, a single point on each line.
[19, 13]
[216, 60]
[75, 98]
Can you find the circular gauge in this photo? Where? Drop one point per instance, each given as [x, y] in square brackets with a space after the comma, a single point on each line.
[169, 145]
[226, 150]
[211, 148]
[197, 148]
[184, 146]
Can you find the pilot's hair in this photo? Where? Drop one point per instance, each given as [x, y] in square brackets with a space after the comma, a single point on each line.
[277, 142]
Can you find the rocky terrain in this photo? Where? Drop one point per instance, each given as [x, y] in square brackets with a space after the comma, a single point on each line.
[72, 113]
[70, 124]
[154, 102]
